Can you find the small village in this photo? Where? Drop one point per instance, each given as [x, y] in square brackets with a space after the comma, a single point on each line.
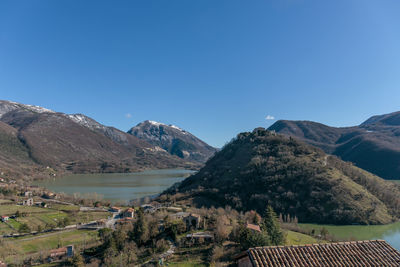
[40, 227]
[212, 133]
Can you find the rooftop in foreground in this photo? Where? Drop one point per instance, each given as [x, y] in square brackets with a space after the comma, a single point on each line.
[359, 253]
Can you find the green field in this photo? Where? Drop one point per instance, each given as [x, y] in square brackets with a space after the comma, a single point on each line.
[4, 228]
[12, 209]
[37, 217]
[357, 232]
[295, 238]
[190, 257]
[53, 240]
[14, 248]
[62, 207]
[5, 201]
[14, 223]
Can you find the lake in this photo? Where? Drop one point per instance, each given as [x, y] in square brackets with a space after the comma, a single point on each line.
[390, 232]
[122, 187]
[117, 187]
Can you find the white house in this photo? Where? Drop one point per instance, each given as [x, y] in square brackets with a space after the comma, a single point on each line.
[28, 202]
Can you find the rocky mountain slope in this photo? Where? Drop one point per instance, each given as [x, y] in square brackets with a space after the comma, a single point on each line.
[373, 145]
[76, 143]
[14, 156]
[261, 167]
[173, 139]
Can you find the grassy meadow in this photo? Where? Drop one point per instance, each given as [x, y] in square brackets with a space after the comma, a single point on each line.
[15, 249]
[295, 238]
[40, 218]
[37, 218]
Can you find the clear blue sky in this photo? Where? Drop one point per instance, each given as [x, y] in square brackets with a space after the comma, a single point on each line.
[215, 68]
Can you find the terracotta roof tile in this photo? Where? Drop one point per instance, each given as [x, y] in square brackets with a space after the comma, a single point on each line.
[253, 227]
[360, 253]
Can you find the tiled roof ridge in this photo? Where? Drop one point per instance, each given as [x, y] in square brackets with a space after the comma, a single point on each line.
[320, 244]
[349, 253]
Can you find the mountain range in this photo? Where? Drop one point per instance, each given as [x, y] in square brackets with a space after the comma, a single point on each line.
[33, 138]
[173, 139]
[374, 145]
[261, 167]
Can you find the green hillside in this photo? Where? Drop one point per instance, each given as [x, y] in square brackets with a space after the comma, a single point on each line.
[261, 168]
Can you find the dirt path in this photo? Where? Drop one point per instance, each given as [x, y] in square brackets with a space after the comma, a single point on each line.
[162, 256]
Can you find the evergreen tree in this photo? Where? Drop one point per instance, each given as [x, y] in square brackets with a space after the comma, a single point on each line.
[248, 238]
[271, 226]
[24, 228]
[119, 238]
[140, 231]
[77, 260]
[105, 235]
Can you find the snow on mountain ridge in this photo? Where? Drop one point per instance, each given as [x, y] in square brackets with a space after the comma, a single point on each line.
[177, 128]
[85, 121]
[174, 140]
[155, 123]
[38, 109]
[7, 106]
[169, 125]
[33, 108]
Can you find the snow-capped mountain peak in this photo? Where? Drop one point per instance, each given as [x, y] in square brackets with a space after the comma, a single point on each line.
[156, 123]
[177, 128]
[173, 139]
[7, 106]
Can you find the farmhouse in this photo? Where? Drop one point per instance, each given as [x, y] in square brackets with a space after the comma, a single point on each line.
[192, 221]
[359, 253]
[115, 209]
[28, 193]
[4, 218]
[180, 215]
[199, 238]
[148, 208]
[129, 213]
[61, 252]
[27, 202]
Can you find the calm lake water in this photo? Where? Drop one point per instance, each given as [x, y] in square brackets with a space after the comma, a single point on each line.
[122, 187]
[117, 187]
[390, 232]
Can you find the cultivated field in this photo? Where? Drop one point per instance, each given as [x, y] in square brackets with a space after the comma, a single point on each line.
[16, 249]
[38, 218]
[35, 218]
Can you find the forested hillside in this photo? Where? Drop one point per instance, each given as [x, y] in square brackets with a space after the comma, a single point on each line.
[261, 167]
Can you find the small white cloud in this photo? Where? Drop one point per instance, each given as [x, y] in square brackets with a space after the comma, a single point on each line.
[128, 115]
[270, 117]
